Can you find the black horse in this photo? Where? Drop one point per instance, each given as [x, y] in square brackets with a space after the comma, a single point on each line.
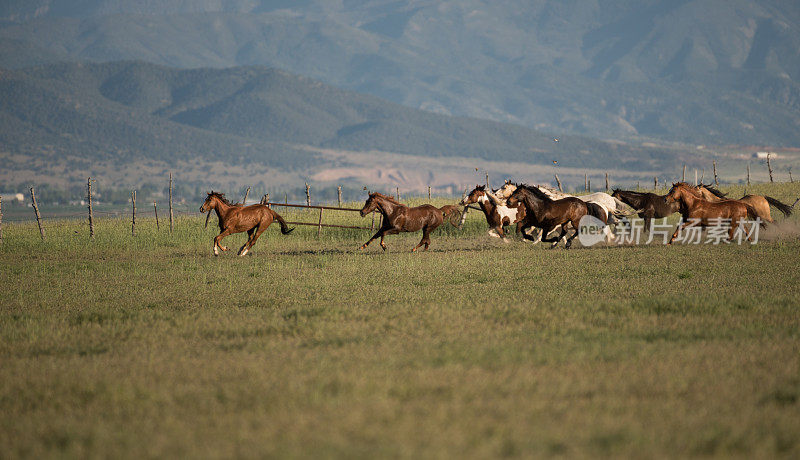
[648, 205]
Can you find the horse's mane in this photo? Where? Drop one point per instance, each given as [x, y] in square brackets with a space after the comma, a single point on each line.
[715, 191]
[221, 197]
[386, 197]
[535, 190]
[682, 184]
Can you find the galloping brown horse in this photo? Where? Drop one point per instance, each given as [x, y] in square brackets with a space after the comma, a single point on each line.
[253, 219]
[760, 203]
[693, 207]
[543, 212]
[398, 217]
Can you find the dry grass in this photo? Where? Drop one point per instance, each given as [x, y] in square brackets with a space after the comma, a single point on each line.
[152, 347]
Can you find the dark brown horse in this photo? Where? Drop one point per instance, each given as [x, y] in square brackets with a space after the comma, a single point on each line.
[498, 214]
[253, 219]
[648, 205]
[543, 212]
[398, 217]
[694, 208]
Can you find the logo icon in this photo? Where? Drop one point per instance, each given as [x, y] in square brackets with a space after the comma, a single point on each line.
[591, 230]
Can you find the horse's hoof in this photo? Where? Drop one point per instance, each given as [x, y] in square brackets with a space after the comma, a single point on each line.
[224, 248]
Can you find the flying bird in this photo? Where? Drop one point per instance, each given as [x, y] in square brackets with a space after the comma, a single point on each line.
[555, 162]
[555, 139]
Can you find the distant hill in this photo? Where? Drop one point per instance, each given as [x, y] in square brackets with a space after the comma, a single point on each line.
[694, 71]
[132, 113]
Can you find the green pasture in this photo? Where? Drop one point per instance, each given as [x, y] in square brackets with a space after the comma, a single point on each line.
[149, 346]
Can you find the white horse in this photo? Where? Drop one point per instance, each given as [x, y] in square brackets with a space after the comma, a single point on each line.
[604, 200]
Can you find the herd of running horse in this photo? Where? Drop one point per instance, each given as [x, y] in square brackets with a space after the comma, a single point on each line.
[537, 212]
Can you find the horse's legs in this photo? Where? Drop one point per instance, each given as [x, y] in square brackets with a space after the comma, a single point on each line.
[528, 236]
[247, 244]
[219, 238]
[577, 230]
[377, 234]
[647, 222]
[426, 239]
[677, 230]
[546, 231]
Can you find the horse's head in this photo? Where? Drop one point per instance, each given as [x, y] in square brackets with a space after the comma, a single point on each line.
[617, 193]
[515, 198]
[208, 205]
[213, 200]
[475, 195]
[506, 190]
[677, 191]
[370, 204]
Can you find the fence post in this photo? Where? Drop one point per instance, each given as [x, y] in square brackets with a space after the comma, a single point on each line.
[702, 175]
[589, 185]
[790, 177]
[655, 183]
[397, 192]
[607, 188]
[487, 179]
[308, 194]
[585, 182]
[558, 181]
[170, 206]
[637, 185]
[769, 168]
[429, 190]
[155, 210]
[339, 194]
[683, 177]
[247, 192]
[91, 213]
[319, 224]
[748, 174]
[1, 219]
[36, 211]
[265, 199]
[133, 213]
[714, 164]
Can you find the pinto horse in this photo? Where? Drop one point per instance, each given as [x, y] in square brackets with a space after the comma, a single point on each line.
[760, 203]
[545, 213]
[253, 219]
[398, 218]
[647, 205]
[497, 213]
[692, 207]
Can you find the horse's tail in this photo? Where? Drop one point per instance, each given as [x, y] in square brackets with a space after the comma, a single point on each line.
[284, 228]
[453, 213]
[752, 214]
[784, 208]
[595, 210]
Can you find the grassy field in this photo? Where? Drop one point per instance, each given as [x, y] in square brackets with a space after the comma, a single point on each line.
[150, 346]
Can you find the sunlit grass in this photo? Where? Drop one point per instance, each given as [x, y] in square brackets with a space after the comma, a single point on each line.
[150, 346]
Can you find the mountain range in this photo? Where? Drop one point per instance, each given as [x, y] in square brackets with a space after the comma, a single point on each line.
[693, 71]
[129, 120]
